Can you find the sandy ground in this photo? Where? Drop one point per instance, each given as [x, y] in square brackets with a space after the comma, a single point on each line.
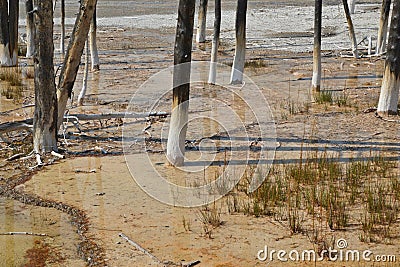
[137, 46]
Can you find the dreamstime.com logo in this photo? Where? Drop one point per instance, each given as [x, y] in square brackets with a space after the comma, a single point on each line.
[339, 254]
[230, 127]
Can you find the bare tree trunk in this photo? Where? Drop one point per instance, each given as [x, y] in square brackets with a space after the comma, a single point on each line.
[316, 78]
[5, 59]
[215, 43]
[45, 116]
[351, 29]
[30, 29]
[85, 75]
[62, 37]
[383, 27]
[389, 96]
[240, 50]
[73, 57]
[202, 21]
[13, 30]
[181, 82]
[352, 6]
[93, 45]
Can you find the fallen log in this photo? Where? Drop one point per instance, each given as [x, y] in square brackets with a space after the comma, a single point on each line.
[27, 124]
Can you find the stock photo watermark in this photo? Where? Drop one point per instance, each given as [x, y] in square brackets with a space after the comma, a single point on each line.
[339, 253]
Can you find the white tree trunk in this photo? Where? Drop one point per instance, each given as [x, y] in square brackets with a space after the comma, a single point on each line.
[215, 43]
[351, 29]
[62, 37]
[352, 6]
[389, 96]
[177, 134]
[202, 21]
[5, 58]
[30, 30]
[85, 76]
[94, 54]
[316, 78]
[383, 27]
[240, 50]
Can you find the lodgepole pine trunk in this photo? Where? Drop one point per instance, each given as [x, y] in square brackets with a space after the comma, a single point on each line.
[13, 30]
[316, 78]
[45, 116]
[62, 37]
[94, 54]
[85, 75]
[73, 56]
[5, 58]
[202, 21]
[351, 29]
[389, 96]
[240, 50]
[30, 29]
[215, 43]
[352, 6]
[181, 83]
[383, 27]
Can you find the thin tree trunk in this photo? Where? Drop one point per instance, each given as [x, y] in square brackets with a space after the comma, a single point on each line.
[5, 58]
[389, 96]
[13, 30]
[85, 75]
[351, 29]
[62, 38]
[215, 43]
[240, 50]
[73, 57]
[181, 82]
[30, 29]
[202, 21]
[352, 6]
[45, 116]
[93, 44]
[383, 27]
[316, 78]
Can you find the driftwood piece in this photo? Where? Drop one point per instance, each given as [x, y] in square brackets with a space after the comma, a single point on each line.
[140, 248]
[23, 233]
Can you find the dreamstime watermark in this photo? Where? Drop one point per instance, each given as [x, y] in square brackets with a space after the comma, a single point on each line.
[230, 126]
[339, 254]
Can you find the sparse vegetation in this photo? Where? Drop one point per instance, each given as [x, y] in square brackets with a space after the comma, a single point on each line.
[11, 75]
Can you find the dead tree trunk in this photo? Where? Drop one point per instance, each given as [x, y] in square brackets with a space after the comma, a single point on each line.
[85, 75]
[94, 54]
[30, 29]
[9, 33]
[240, 50]
[202, 21]
[13, 26]
[62, 37]
[45, 116]
[351, 29]
[5, 59]
[316, 78]
[389, 96]
[383, 27]
[215, 43]
[181, 82]
[73, 57]
[352, 6]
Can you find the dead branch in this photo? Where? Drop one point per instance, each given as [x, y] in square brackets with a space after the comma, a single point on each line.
[16, 126]
[23, 233]
[120, 115]
[140, 248]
